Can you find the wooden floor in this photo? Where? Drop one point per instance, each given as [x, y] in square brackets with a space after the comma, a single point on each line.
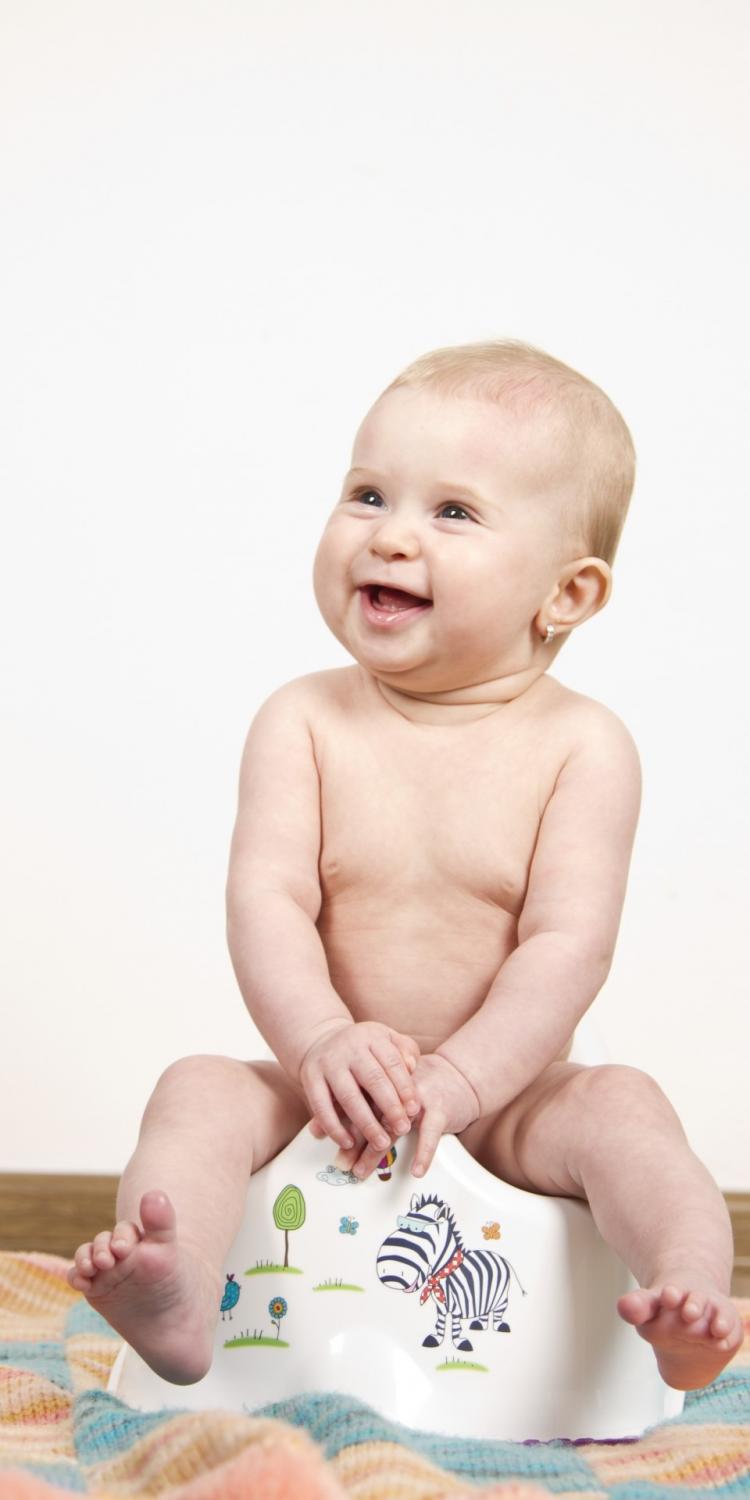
[55, 1213]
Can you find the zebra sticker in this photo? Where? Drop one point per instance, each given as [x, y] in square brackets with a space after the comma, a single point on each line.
[426, 1253]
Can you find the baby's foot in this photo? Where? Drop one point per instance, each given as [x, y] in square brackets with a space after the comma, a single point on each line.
[160, 1296]
[695, 1329]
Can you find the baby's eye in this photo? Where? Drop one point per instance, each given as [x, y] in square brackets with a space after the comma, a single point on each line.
[363, 495]
[451, 505]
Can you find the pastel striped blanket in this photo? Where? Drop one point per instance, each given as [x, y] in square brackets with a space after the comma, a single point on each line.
[62, 1433]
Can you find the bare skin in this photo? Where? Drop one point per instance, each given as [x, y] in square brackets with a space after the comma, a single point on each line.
[157, 1277]
[153, 1291]
[453, 829]
[694, 1333]
[161, 1291]
[563, 1135]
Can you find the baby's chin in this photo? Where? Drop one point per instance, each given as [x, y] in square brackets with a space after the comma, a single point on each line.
[408, 665]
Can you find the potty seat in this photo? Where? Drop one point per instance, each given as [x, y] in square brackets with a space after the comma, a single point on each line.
[454, 1303]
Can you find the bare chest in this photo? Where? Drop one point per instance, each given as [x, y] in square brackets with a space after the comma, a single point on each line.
[412, 819]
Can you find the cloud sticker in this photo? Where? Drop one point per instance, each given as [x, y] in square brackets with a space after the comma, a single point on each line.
[336, 1178]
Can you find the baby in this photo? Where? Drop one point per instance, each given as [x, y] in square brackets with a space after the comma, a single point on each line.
[427, 875]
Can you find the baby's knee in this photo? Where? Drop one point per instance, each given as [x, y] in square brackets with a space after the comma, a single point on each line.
[614, 1093]
[197, 1079]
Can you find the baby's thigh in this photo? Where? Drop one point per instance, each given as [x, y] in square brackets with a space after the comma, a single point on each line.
[251, 1108]
[276, 1109]
[532, 1142]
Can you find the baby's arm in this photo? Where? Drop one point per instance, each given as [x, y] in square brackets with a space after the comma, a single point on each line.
[273, 902]
[566, 931]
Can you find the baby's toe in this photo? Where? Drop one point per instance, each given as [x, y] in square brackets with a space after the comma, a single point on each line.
[720, 1325]
[124, 1236]
[79, 1283]
[82, 1271]
[639, 1305]
[671, 1296]
[83, 1262]
[101, 1253]
[693, 1307]
[727, 1327]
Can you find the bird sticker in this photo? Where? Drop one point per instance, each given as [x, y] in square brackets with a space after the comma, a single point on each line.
[231, 1295]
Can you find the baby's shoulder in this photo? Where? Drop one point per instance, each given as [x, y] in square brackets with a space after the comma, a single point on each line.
[586, 728]
[315, 694]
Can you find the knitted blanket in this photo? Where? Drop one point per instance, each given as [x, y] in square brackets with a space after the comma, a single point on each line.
[62, 1433]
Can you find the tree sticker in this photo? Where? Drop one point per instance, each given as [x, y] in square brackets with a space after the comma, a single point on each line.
[289, 1213]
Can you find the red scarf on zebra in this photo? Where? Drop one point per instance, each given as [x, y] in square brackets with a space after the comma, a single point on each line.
[432, 1283]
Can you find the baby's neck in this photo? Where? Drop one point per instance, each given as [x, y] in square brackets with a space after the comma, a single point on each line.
[460, 705]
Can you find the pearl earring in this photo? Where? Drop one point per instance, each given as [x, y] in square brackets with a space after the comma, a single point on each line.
[549, 634]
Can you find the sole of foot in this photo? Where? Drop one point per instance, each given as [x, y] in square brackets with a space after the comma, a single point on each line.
[694, 1333]
[159, 1296]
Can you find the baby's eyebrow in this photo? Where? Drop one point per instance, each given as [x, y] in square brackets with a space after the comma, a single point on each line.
[371, 473]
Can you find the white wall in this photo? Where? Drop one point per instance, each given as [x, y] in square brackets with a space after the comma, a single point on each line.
[226, 226]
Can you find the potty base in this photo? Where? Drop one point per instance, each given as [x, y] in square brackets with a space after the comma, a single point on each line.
[456, 1304]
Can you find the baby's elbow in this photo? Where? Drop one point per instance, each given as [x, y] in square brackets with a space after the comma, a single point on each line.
[587, 957]
[595, 962]
[229, 908]
[235, 912]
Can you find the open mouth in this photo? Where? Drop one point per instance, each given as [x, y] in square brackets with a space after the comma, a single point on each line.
[393, 601]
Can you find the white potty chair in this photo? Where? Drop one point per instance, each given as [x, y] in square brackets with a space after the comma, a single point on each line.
[454, 1303]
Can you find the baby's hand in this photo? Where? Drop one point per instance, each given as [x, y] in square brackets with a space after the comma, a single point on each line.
[347, 1064]
[449, 1104]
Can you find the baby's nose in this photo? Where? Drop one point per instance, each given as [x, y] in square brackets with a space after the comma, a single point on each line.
[396, 537]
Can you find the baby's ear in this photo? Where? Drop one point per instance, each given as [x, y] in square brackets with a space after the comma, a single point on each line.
[580, 592]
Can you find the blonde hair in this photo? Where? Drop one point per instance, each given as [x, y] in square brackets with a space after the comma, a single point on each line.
[526, 379]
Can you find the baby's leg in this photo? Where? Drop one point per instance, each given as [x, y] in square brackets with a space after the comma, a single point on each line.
[609, 1135]
[158, 1276]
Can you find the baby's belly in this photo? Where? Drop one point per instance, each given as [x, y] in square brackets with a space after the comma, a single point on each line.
[422, 967]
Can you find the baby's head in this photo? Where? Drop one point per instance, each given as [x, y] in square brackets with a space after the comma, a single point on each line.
[553, 406]
[492, 482]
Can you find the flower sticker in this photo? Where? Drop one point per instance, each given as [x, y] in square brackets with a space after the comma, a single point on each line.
[277, 1309]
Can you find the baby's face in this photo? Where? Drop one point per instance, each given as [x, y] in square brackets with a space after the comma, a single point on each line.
[462, 503]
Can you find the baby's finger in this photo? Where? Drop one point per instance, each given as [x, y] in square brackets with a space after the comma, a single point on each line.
[345, 1159]
[349, 1096]
[384, 1101]
[317, 1129]
[409, 1049]
[372, 1075]
[324, 1115]
[428, 1138]
[392, 1061]
[366, 1163]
